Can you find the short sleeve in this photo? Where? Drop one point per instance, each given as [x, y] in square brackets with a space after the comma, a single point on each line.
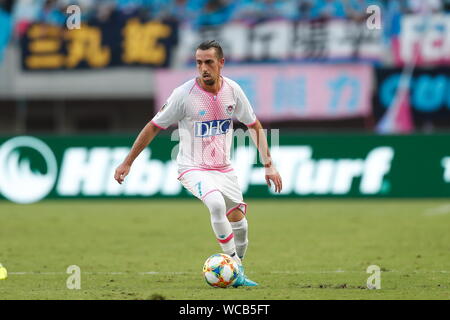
[244, 111]
[171, 112]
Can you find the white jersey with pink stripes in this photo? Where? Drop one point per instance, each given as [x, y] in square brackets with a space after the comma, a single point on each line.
[205, 122]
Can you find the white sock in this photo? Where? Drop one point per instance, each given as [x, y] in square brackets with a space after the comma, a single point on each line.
[220, 224]
[240, 230]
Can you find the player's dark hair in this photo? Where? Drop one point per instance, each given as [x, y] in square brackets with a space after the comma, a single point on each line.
[208, 44]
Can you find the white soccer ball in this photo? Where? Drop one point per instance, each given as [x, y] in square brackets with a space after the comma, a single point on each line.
[220, 270]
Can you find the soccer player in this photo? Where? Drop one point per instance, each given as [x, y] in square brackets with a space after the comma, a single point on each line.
[203, 108]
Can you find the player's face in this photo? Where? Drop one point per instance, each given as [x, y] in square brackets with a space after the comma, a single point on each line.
[209, 65]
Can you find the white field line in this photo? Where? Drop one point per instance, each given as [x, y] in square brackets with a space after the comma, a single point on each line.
[24, 273]
[343, 271]
[181, 272]
[436, 211]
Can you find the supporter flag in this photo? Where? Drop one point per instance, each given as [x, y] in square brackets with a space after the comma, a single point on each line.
[5, 30]
[398, 118]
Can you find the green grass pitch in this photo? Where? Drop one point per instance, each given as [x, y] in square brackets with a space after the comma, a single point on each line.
[155, 249]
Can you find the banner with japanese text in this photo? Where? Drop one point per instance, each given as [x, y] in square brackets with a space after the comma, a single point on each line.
[422, 40]
[413, 38]
[335, 40]
[118, 43]
[281, 92]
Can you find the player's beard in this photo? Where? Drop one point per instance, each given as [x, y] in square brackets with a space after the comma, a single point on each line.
[210, 81]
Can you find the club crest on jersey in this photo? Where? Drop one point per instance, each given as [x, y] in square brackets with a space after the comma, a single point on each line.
[212, 127]
[230, 110]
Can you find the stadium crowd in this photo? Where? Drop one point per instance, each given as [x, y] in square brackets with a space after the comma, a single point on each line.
[17, 15]
[200, 13]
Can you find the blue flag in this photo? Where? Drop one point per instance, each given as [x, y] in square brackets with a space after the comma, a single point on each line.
[5, 31]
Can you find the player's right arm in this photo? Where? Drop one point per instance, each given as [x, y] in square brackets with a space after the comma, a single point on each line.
[142, 141]
[170, 113]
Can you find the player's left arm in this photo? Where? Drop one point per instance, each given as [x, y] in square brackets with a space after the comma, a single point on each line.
[260, 140]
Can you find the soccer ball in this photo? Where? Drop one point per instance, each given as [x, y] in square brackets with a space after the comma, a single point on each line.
[220, 270]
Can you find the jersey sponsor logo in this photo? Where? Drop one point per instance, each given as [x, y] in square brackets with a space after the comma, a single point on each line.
[211, 128]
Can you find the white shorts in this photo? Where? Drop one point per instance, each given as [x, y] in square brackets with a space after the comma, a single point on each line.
[201, 182]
